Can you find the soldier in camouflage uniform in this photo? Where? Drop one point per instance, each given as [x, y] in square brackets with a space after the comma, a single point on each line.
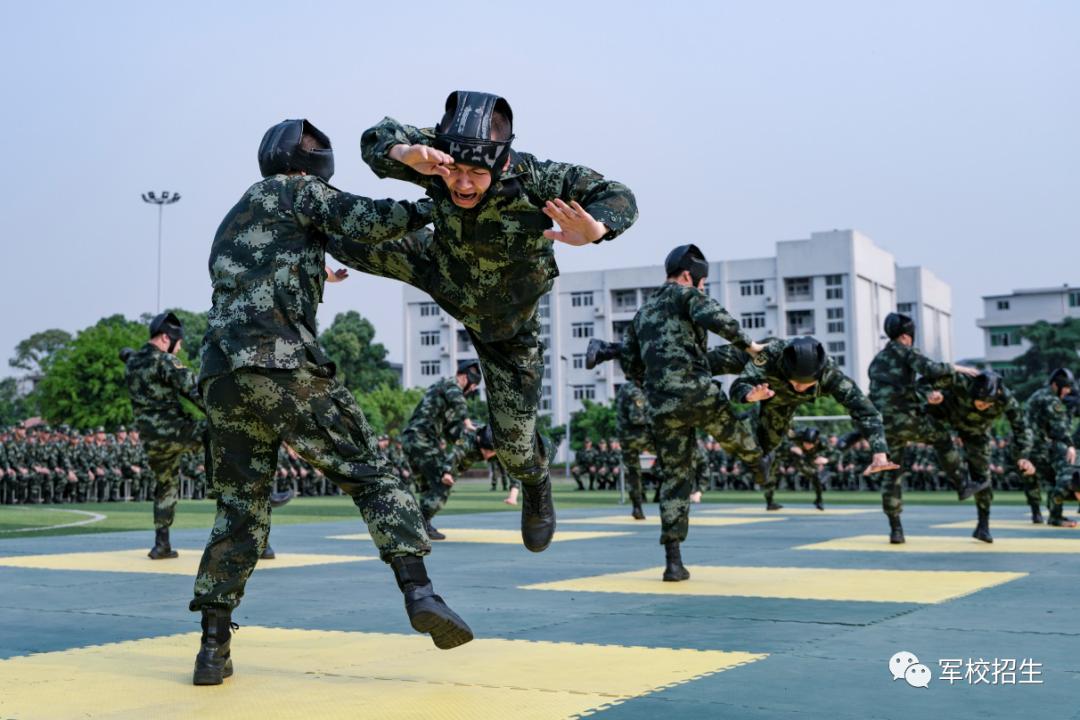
[491, 258]
[603, 465]
[585, 462]
[789, 373]
[970, 407]
[635, 436]
[665, 348]
[157, 381]
[1054, 453]
[472, 447]
[894, 389]
[265, 380]
[436, 424]
[808, 458]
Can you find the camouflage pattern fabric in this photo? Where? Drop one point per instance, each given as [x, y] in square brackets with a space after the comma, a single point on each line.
[1050, 424]
[436, 423]
[635, 436]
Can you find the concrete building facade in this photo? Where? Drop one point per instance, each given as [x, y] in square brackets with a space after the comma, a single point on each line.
[1005, 315]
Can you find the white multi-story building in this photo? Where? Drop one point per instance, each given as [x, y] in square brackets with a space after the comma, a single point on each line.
[1005, 315]
[837, 286]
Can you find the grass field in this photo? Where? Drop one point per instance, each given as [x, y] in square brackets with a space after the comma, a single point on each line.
[469, 497]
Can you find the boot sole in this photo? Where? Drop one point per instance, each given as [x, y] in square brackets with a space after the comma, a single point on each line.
[446, 632]
[668, 578]
[208, 676]
[166, 556]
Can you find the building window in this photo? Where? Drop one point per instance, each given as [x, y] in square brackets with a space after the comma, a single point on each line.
[1074, 299]
[618, 329]
[1002, 304]
[646, 293]
[581, 299]
[834, 287]
[584, 392]
[840, 360]
[799, 289]
[1004, 338]
[578, 362]
[906, 308]
[751, 287]
[837, 347]
[581, 330]
[429, 368]
[428, 309]
[464, 342]
[800, 322]
[752, 321]
[545, 404]
[547, 372]
[624, 300]
[835, 316]
[429, 338]
[545, 329]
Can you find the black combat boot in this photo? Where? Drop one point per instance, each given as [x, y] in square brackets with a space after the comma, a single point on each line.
[599, 351]
[432, 532]
[162, 550]
[896, 530]
[973, 486]
[818, 502]
[674, 571]
[769, 503]
[268, 553]
[638, 513]
[427, 611]
[214, 662]
[1036, 514]
[537, 516]
[1057, 517]
[982, 529]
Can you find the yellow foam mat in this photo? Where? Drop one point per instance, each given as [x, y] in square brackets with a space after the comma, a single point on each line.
[135, 561]
[496, 537]
[1005, 525]
[320, 674]
[696, 520]
[811, 511]
[948, 544]
[796, 583]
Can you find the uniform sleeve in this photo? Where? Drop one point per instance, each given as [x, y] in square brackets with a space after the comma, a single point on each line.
[349, 219]
[1057, 424]
[1021, 443]
[610, 202]
[863, 413]
[751, 376]
[375, 145]
[181, 379]
[927, 368]
[637, 411]
[457, 409]
[630, 355]
[706, 312]
[727, 360]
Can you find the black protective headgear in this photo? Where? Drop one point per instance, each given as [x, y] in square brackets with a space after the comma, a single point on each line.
[1062, 377]
[464, 132]
[687, 257]
[169, 324]
[485, 439]
[809, 435]
[280, 151]
[897, 324]
[986, 386]
[803, 360]
[471, 370]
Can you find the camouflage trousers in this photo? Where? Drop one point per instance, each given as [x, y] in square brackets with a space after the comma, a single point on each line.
[513, 369]
[1051, 470]
[632, 447]
[676, 445]
[901, 429]
[1066, 487]
[163, 457]
[427, 462]
[250, 413]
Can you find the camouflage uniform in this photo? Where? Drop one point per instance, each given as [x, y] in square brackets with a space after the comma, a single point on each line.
[585, 460]
[266, 380]
[666, 349]
[439, 419]
[894, 389]
[488, 267]
[1050, 425]
[632, 425]
[156, 382]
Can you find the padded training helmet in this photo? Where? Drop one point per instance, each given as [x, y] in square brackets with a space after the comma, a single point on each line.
[464, 132]
[897, 324]
[280, 151]
[803, 360]
[170, 325]
[1063, 378]
[986, 386]
[690, 258]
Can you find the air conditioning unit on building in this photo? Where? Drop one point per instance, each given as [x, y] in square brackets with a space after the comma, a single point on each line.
[444, 349]
[597, 311]
[598, 372]
[444, 318]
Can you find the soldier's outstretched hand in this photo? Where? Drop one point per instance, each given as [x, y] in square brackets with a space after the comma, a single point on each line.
[1025, 466]
[423, 159]
[447, 479]
[754, 348]
[965, 370]
[578, 227]
[338, 275]
[1070, 455]
[880, 463]
[759, 393]
[935, 397]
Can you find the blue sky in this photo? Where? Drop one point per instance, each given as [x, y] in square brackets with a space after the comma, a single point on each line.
[946, 131]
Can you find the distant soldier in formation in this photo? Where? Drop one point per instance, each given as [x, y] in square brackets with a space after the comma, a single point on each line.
[1054, 451]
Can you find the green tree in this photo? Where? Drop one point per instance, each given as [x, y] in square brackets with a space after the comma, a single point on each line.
[388, 408]
[595, 421]
[361, 362]
[1052, 346]
[14, 407]
[33, 353]
[84, 382]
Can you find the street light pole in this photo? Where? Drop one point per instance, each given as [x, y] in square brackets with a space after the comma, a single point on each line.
[566, 403]
[166, 198]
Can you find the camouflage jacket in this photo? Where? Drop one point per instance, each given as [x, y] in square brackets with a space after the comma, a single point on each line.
[1049, 422]
[586, 458]
[439, 416]
[958, 410]
[666, 345]
[631, 411]
[267, 266]
[894, 373]
[156, 381]
[776, 412]
[491, 264]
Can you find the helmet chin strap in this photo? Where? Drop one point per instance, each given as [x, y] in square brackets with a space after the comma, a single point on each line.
[172, 345]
